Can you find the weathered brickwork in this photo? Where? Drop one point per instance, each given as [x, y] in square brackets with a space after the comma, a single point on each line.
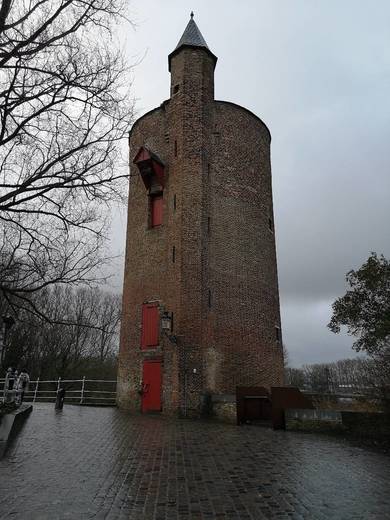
[217, 213]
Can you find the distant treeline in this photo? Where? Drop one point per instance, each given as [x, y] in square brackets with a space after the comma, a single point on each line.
[74, 333]
[350, 376]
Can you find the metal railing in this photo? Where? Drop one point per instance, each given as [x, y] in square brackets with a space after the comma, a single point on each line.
[83, 391]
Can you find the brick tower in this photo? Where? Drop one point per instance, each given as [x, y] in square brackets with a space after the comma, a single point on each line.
[200, 297]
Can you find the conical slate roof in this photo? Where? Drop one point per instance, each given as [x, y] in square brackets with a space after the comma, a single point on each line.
[192, 37]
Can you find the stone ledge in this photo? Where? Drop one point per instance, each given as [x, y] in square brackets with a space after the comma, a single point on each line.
[10, 424]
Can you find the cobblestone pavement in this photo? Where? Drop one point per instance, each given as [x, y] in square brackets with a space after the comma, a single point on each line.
[95, 463]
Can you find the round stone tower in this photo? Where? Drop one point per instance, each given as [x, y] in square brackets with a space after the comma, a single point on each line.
[200, 297]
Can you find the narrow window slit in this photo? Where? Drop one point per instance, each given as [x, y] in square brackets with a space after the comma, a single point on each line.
[270, 224]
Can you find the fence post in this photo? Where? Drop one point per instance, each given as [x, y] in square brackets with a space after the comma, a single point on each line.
[82, 390]
[36, 389]
[58, 389]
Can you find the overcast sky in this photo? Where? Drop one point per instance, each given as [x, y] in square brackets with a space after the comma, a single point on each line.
[318, 74]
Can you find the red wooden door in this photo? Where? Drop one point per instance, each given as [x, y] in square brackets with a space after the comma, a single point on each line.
[151, 378]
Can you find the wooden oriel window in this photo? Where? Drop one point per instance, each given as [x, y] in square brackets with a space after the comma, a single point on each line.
[150, 325]
[156, 210]
[150, 167]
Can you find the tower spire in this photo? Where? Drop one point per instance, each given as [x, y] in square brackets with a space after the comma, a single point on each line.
[191, 37]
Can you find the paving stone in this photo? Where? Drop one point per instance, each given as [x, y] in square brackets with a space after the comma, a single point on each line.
[99, 463]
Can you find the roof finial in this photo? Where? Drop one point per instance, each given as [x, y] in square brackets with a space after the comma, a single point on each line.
[192, 14]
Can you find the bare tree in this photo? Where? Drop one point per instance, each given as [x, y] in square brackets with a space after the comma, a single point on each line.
[64, 108]
[317, 377]
[106, 316]
[295, 377]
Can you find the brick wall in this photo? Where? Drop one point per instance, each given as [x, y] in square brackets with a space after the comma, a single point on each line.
[242, 259]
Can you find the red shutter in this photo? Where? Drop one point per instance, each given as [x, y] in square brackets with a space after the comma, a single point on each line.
[150, 325]
[157, 210]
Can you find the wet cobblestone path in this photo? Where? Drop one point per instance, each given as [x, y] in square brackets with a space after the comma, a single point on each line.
[94, 463]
